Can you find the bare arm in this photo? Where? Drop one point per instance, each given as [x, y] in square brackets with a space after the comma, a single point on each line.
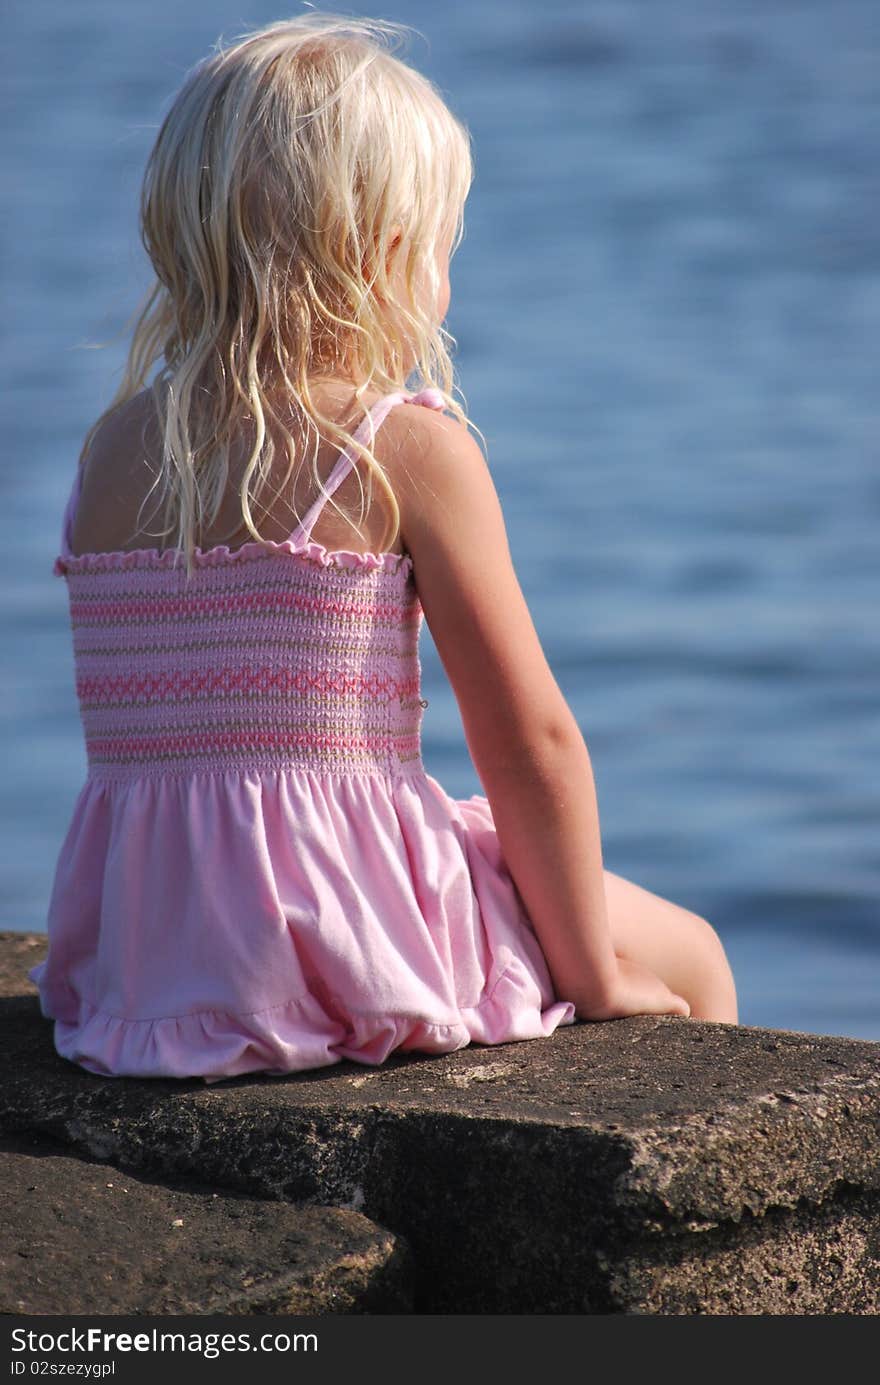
[525, 744]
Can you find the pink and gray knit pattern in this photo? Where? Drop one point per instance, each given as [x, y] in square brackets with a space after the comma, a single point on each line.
[265, 659]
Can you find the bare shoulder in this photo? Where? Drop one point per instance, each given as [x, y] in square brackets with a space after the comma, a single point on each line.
[419, 432]
[124, 442]
[129, 423]
[429, 455]
[453, 527]
[118, 466]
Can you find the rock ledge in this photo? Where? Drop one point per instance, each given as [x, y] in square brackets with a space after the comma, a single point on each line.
[650, 1165]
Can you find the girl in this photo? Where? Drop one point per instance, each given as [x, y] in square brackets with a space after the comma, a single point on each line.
[259, 874]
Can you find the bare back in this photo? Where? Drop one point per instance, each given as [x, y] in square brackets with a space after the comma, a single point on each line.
[123, 461]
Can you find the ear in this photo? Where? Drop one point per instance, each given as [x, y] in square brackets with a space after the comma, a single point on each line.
[393, 247]
[390, 256]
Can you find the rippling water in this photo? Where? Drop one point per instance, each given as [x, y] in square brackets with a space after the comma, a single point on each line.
[667, 306]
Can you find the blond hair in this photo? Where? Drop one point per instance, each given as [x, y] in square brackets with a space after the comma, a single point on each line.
[287, 165]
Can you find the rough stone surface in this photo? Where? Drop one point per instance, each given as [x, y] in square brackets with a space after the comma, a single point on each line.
[646, 1165]
[819, 1260]
[83, 1237]
[18, 953]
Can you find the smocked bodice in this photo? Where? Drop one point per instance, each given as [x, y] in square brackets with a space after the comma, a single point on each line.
[268, 657]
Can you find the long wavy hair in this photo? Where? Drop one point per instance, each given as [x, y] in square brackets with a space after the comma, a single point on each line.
[288, 166]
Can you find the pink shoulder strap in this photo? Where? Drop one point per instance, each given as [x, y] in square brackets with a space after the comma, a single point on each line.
[364, 433]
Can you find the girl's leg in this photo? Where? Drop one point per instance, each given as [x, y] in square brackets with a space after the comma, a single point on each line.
[682, 948]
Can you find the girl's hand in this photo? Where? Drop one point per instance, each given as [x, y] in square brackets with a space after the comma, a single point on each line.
[636, 991]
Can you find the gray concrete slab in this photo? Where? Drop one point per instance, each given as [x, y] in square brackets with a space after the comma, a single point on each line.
[627, 1166]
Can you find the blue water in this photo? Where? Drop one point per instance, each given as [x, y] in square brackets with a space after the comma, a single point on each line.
[667, 305]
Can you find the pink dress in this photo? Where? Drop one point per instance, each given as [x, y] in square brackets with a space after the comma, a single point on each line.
[259, 874]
